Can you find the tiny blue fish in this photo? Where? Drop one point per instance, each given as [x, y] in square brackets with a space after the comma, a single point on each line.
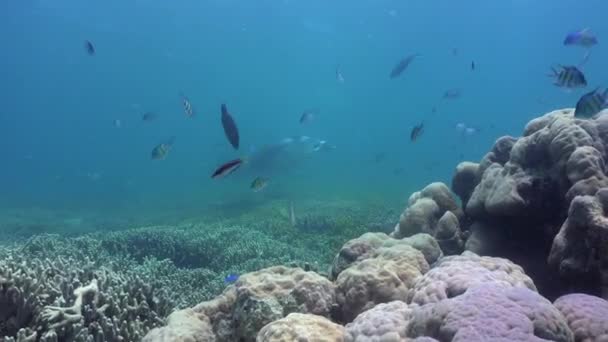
[231, 278]
[582, 38]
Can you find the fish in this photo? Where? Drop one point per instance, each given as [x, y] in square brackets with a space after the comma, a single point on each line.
[227, 168]
[416, 131]
[292, 214]
[259, 184]
[308, 115]
[582, 38]
[89, 48]
[452, 94]
[402, 65]
[568, 76]
[160, 151]
[379, 157]
[322, 145]
[472, 65]
[117, 123]
[339, 76]
[231, 278]
[591, 103]
[454, 51]
[148, 116]
[188, 109]
[230, 128]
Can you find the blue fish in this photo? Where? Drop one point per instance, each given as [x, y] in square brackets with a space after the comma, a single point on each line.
[231, 278]
[582, 38]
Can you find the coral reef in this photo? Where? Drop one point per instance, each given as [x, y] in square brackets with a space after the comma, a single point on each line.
[449, 271]
[460, 298]
[540, 197]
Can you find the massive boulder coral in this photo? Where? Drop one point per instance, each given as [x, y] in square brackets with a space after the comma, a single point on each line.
[517, 197]
[388, 276]
[581, 246]
[254, 300]
[434, 211]
[586, 315]
[301, 327]
[384, 322]
[452, 276]
[365, 247]
[491, 312]
[376, 268]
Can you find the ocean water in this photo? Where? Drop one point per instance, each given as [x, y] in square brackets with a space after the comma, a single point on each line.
[268, 61]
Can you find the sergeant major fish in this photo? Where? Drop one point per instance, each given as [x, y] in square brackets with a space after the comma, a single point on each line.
[568, 76]
[591, 103]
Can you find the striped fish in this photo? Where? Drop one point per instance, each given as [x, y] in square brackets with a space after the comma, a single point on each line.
[591, 103]
[188, 109]
[568, 77]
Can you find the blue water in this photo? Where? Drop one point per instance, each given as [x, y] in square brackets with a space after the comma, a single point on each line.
[268, 61]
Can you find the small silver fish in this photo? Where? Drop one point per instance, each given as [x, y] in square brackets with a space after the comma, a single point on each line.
[339, 76]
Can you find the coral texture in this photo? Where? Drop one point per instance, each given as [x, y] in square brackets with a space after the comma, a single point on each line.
[301, 327]
[434, 211]
[587, 316]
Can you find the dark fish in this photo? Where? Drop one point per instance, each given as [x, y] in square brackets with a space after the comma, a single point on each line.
[591, 103]
[149, 116]
[434, 110]
[568, 77]
[227, 168]
[398, 171]
[472, 65]
[230, 129]
[454, 51]
[452, 94]
[160, 151]
[402, 65]
[308, 116]
[259, 184]
[379, 157]
[89, 48]
[582, 38]
[188, 109]
[231, 278]
[416, 131]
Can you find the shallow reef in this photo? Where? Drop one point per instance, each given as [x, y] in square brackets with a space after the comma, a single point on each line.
[515, 250]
